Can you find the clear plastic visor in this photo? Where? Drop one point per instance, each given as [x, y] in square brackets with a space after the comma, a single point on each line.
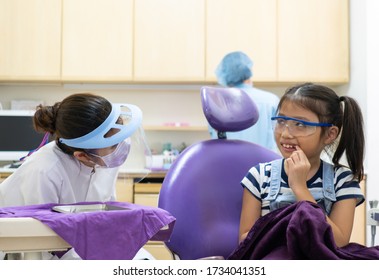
[124, 124]
[138, 163]
[139, 159]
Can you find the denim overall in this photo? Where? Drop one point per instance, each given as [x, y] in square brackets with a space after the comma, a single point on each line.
[324, 197]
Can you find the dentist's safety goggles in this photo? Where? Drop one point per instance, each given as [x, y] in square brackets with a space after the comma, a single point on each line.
[296, 127]
[124, 124]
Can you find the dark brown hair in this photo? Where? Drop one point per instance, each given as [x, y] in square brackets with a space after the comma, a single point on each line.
[75, 116]
[343, 112]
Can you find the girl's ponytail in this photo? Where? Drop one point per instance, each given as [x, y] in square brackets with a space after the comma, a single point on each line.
[352, 137]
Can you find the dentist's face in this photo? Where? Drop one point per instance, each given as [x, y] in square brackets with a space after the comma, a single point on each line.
[112, 156]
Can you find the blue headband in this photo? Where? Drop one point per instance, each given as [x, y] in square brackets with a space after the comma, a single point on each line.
[96, 139]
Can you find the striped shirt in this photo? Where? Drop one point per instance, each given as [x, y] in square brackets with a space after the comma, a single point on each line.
[257, 181]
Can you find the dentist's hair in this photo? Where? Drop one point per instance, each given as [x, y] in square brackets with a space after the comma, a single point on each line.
[343, 112]
[75, 116]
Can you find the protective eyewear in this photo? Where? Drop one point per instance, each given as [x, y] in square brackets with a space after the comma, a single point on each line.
[296, 127]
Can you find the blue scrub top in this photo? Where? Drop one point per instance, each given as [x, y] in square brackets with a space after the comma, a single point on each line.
[262, 132]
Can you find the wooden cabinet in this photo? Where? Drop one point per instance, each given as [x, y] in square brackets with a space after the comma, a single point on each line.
[172, 40]
[3, 176]
[30, 34]
[124, 189]
[313, 41]
[242, 25]
[158, 250]
[147, 191]
[288, 40]
[169, 40]
[97, 40]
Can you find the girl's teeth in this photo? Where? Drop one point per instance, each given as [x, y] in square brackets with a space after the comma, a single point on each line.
[288, 146]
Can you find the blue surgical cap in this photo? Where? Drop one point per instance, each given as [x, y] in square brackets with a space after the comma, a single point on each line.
[233, 69]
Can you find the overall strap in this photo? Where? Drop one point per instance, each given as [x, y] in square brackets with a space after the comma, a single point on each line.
[276, 177]
[328, 181]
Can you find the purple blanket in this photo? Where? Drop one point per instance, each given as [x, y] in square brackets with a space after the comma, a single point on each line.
[102, 235]
[298, 231]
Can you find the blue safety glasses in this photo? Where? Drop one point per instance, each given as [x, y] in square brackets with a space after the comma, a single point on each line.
[296, 127]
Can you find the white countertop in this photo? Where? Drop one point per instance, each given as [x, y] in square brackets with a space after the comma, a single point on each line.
[28, 235]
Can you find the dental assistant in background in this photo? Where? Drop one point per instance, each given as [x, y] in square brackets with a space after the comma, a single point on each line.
[92, 138]
[235, 70]
[310, 119]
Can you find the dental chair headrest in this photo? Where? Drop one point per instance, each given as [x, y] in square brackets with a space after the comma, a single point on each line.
[228, 109]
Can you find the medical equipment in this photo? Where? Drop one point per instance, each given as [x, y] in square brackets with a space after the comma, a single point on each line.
[131, 117]
[18, 135]
[125, 120]
[373, 219]
[202, 187]
[87, 208]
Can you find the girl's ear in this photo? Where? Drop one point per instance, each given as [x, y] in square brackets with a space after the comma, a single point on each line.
[331, 135]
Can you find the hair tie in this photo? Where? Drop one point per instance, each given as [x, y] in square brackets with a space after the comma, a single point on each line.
[343, 104]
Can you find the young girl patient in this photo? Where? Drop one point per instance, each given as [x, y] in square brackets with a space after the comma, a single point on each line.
[311, 119]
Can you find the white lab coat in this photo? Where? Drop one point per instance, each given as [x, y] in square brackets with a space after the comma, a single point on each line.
[51, 176]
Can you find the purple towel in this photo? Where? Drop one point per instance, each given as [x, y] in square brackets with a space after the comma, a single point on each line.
[102, 235]
[298, 231]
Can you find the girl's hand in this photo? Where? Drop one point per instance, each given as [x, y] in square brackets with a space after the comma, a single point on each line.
[297, 167]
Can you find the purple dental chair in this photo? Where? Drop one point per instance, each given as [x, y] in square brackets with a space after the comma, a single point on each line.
[202, 188]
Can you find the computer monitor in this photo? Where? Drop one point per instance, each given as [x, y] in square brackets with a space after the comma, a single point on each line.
[17, 134]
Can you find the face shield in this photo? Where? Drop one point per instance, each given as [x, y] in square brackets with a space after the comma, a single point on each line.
[122, 127]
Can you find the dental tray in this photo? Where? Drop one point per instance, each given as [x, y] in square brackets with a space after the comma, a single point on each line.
[86, 208]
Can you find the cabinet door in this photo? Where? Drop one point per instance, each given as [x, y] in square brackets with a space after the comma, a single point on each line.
[242, 25]
[30, 32]
[124, 189]
[313, 41]
[169, 40]
[97, 40]
[158, 250]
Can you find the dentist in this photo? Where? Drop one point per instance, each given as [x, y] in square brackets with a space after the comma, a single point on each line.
[92, 138]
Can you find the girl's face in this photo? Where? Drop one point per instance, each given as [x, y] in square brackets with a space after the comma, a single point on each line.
[312, 143]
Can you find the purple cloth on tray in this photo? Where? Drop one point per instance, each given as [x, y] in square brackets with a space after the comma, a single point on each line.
[102, 235]
[298, 231]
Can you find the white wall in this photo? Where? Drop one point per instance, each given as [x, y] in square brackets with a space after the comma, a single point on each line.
[160, 104]
[363, 86]
[372, 135]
